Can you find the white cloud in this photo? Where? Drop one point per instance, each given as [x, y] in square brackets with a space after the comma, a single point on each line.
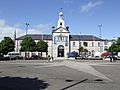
[18, 25]
[43, 28]
[6, 30]
[2, 23]
[90, 5]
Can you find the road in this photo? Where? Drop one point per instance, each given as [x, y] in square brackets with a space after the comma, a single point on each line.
[59, 75]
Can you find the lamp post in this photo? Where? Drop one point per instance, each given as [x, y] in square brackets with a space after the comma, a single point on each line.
[100, 26]
[79, 43]
[53, 28]
[27, 24]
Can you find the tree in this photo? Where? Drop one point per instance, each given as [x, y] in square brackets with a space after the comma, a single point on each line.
[42, 46]
[115, 47]
[83, 51]
[6, 45]
[28, 45]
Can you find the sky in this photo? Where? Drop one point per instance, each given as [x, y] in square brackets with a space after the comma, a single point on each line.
[82, 16]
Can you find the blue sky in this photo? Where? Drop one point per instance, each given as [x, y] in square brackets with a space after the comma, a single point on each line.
[80, 15]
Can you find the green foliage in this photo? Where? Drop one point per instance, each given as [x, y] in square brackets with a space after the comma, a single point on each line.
[85, 50]
[6, 45]
[115, 47]
[118, 41]
[28, 44]
[81, 49]
[42, 46]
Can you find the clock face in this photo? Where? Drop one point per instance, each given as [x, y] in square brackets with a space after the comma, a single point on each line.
[61, 30]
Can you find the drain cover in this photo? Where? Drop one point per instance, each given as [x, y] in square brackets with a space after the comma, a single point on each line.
[21, 66]
[68, 80]
[98, 80]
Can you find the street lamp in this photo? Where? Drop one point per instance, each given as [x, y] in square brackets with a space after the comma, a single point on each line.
[79, 43]
[52, 50]
[27, 24]
[100, 26]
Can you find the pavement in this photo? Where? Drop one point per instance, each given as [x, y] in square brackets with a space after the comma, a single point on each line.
[59, 75]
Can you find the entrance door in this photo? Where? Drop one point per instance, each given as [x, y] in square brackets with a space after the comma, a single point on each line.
[60, 51]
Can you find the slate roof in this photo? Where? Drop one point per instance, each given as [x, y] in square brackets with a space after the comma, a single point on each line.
[36, 37]
[72, 37]
[85, 38]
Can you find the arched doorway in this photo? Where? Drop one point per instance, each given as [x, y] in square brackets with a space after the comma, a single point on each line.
[60, 51]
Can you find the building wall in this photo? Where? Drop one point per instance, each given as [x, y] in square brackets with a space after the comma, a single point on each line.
[74, 46]
[92, 45]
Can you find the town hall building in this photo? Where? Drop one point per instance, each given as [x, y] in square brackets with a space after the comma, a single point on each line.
[61, 41]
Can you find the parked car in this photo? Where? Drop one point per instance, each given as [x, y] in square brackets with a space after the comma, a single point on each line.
[34, 57]
[13, 55]
[72, 54]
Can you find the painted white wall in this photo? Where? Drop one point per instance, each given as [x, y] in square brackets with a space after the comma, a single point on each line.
[53, 50]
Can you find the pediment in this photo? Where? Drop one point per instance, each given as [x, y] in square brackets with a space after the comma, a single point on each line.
[61, 30]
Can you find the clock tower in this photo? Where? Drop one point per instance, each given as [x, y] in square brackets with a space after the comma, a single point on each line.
[61, 22]
[60, 38]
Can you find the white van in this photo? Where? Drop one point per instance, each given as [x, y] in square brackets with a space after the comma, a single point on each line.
[14, 55]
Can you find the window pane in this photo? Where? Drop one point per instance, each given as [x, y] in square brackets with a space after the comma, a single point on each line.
[85, 44]
[73, 43]
[92, 44]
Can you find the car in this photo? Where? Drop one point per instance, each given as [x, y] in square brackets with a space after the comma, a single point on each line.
[34, 57]
[72, 54]
[116, 57]
[13, 55]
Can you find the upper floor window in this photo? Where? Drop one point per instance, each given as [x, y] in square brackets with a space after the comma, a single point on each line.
[80, 44]
[98, 44]
[105, 42]
[60, 38]
[73, 44]
[65, 38]
[85, 44]
[92, 44]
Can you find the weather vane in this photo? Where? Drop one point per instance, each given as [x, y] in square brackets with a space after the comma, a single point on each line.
[61, 9]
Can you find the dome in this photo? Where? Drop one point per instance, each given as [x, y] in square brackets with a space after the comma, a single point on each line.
[61, 13]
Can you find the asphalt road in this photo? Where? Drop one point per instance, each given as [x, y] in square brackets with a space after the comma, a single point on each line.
[59, 75]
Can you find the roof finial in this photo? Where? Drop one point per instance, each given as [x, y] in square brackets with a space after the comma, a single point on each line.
[61, 13]
[61, 9]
